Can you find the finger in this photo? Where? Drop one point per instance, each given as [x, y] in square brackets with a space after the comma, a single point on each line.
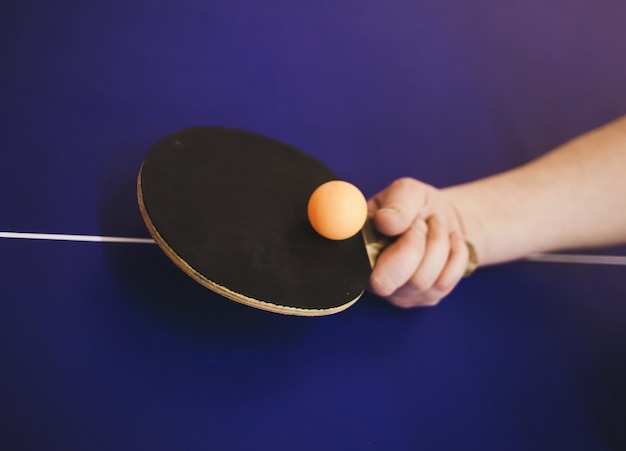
[420, 288]
[395, 209]
[398, 262]
[449, 278]
[456, 266]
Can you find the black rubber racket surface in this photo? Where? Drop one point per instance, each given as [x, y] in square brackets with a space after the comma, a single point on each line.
[229, 207]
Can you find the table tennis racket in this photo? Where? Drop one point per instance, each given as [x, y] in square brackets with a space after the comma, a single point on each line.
[229, 207]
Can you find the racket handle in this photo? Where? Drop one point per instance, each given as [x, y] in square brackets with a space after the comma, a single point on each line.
[375, 242]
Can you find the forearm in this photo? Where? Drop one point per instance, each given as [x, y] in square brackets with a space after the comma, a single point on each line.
[573, 197]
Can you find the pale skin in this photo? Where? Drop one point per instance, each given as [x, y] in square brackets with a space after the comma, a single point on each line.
[572, 197]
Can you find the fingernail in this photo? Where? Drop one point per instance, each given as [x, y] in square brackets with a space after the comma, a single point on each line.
[388, 213]
[388, 210]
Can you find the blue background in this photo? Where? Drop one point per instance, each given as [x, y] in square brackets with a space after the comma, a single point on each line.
[109, 346]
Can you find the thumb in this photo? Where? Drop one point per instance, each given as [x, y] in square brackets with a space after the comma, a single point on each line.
[394, 209]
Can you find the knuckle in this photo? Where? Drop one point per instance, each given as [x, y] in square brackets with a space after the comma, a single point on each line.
[414, 186]
[406, 183]
[403, 303]
[415, 301]
[440, 285]
[420, 281]
[445, 283]
[431, 302]
[381, 285]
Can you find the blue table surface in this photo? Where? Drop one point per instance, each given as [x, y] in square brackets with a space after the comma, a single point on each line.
[111, 347]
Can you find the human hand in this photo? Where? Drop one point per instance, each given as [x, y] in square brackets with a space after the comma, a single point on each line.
[429, 255]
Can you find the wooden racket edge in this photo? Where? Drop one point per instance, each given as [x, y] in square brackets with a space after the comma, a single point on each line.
[220, 289]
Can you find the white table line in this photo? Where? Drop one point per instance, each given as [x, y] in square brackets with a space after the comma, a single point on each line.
[543, 257]
[579, 258]
[82, 238]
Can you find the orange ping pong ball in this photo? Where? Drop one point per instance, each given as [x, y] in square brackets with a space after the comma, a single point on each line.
[337, 210]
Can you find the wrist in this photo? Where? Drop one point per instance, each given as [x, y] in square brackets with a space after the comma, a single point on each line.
[470, 222]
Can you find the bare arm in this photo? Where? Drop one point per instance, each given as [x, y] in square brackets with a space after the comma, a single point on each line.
[573, 197]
